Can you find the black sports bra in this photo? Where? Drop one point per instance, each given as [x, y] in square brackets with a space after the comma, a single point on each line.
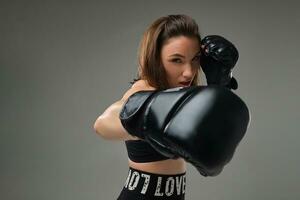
[140, 151]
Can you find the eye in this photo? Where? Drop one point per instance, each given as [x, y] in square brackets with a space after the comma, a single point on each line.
[196, 58]
[176, 60]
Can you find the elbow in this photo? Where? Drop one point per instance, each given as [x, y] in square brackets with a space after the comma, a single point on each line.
[110, 128]
[98, 128]
[95, 127]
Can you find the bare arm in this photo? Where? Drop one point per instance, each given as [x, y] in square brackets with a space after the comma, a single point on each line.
[108, 124]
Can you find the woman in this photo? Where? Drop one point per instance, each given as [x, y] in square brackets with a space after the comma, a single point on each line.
[203, 125]
[168, 57]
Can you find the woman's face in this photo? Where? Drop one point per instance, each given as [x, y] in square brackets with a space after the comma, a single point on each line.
[180, 58]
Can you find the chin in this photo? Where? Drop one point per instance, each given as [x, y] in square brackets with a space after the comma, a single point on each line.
[178, 86]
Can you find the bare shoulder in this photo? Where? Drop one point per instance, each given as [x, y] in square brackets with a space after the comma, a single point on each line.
[139, 85]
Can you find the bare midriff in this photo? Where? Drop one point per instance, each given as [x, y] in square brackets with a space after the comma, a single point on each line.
[169, 167]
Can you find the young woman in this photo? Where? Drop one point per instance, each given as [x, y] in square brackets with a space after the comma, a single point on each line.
[169, 57]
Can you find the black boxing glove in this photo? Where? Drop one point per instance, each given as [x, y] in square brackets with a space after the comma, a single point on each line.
[218, 57]
[202, 124]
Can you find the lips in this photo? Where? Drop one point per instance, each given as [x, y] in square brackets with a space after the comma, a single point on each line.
[187, 83]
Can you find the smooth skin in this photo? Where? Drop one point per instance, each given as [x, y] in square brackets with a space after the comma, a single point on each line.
[180, 58]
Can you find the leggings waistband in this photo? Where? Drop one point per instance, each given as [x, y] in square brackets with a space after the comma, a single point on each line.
[158, 186]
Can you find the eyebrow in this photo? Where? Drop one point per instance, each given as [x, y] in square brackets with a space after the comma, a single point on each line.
[179, 55]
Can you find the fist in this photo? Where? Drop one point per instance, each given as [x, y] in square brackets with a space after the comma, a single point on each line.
[218, 57]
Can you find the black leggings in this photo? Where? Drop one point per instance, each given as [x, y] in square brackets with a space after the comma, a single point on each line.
[141, 185]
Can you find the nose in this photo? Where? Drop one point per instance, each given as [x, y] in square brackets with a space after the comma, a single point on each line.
[188, 71]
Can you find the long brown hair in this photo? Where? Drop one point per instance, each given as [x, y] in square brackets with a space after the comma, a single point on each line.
[150, 65]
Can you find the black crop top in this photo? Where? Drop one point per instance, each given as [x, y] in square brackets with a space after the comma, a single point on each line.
[140, 151]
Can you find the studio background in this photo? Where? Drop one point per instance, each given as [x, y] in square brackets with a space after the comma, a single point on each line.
[63, 62]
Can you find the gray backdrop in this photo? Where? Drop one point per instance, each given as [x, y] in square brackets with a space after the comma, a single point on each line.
[62, 63]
